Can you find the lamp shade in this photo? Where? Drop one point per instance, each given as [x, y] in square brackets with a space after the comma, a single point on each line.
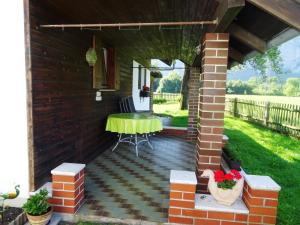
[91, 56]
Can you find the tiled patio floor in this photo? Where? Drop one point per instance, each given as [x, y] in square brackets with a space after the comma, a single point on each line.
[120, 185]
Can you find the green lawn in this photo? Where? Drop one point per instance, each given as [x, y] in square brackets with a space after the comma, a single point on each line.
[264, 152]
[171, 109]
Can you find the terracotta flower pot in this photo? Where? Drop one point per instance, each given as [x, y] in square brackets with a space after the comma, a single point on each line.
[40, 220]
[223, 196]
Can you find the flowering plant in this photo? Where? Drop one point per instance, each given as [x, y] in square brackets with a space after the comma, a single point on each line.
[227, 181]
[145, 88]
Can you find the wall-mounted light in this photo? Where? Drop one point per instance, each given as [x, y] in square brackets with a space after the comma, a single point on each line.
[91, 56]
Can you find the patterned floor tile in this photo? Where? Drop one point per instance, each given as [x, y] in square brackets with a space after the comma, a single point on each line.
[120, 185]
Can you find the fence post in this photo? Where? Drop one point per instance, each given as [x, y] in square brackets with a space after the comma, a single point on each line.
[235, 113]
[267, 113]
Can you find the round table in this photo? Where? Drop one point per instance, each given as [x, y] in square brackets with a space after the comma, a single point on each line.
[133, 124]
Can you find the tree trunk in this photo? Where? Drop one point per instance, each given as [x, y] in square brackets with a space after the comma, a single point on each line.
[185, 89]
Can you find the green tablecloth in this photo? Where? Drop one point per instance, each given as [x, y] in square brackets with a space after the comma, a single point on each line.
[133, 123]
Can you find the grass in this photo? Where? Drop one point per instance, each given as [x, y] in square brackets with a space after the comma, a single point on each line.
[274, 99]
[171, 109]
[264, 152]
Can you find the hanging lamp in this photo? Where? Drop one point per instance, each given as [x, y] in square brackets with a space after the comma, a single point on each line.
[91, 56]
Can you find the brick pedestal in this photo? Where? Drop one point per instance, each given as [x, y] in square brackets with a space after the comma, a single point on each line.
[261, 197]
[182, 196]
[211, 104]
[67, 187]
[259, 205]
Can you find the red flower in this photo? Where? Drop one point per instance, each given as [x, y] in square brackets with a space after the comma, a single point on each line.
[228, 176]
[219, 176]
[145, 88]
[236, 174]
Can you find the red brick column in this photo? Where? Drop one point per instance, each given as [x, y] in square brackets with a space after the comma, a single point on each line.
[212, 103]
[182, 197]
[260, 194]
[67, 187]
[193, 103]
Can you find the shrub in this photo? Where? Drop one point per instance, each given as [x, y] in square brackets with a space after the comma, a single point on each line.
[37, 204]
[159, 101]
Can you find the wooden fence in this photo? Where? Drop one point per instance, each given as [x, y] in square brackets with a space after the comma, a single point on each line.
[284, 118]
[167, 96]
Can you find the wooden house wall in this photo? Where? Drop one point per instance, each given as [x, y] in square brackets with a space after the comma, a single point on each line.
[68, 124]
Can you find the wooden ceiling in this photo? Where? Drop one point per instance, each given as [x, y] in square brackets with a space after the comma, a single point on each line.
[251, 24]
[148, 42]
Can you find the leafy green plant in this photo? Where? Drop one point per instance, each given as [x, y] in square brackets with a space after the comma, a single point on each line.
[227, 184]
[37, 204]
[159, 101]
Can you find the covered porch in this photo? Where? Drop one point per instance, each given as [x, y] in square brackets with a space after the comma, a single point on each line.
[120, 185]
[68, 104]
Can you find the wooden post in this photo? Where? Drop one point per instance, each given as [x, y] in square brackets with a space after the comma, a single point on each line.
[267, 113]
[235, 113]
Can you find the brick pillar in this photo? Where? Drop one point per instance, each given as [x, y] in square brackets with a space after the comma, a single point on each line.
[193, 102]
[67, 187]
[211, 103]
[182, 197]
[260, 194]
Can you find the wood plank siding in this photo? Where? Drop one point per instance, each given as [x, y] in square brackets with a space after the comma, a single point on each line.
[68, 124]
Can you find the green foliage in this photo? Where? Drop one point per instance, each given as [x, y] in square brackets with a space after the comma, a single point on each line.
[265, 152]
[268, 86]
[170, 84]
[292, 87]
[238, 87]
[270, 59]
[271, 85]
[159, 101]
[37, 204]
[227, 184]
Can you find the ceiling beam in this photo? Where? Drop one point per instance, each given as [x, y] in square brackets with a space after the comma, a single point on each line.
[287, 11]
[236, 55]
[225, 14]
[247, 38]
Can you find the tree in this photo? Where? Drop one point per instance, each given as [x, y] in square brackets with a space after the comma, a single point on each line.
[270, 85]
[185, 89]
[170, 83]
[155, 84]
[238, 87]
[292, 87]
[271, 59]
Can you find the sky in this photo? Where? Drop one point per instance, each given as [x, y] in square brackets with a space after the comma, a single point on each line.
[290, 53]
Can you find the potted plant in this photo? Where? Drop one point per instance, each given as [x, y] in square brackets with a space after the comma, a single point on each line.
[225, 188]
[37, 208]
[145, 92]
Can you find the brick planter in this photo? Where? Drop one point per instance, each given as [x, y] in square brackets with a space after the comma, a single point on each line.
[258, 205]
[67, 187]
